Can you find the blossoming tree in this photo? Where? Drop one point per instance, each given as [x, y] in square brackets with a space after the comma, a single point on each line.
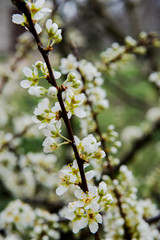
[95, 191]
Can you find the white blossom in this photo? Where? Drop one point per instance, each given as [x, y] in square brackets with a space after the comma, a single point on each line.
[69, 64]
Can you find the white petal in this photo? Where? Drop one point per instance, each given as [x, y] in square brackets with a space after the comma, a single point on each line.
[27, 72]
[79, 194]
[77, 140]
[90, 174]
[61, 189]
[102, 187]
[32, 90]
[69, 215]
[75, 165]
[44, 10]
[75, 227]
[38, 28]
[93, 226]
[83, 223]
[95, 207]
[35, 120]
[49, 24]
[38, 16]
[69, 114]
[80, 112]
[18, 19]
[43, 125]
[80, 204]
[25, 83]
[54, 27]
[47, 133]
[56, 74]
[52, 91]
[39, 4]
[99, 218]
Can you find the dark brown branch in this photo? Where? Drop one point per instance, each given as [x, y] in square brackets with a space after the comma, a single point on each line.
[3, 82]
[153, 219]
[138, 144]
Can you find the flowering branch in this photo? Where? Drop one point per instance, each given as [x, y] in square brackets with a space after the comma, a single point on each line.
[127, 233]
[63, 112]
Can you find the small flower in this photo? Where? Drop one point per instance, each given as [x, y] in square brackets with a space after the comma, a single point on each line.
[53, 32]
[73, 81]
[53, 130]
[129, 41]
[88, 144]
[70, 176]
[43, 113]
[51, 27]
[37, 91]
[88, 70]
[73, 102]
[32, 77]
[52, 91]
[69, 64]
[37, 12]
[49, 145]
[102, 189]
[65, 182]
[92, 219]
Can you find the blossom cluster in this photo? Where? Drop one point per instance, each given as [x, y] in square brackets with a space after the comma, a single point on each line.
[131, 206]
[118, 56]
[37, 10]
[91, 78]
[86, 210]
[26, 222]
[27, 172]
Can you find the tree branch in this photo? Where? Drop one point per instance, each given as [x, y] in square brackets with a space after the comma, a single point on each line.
[127, 233]
[153, 219]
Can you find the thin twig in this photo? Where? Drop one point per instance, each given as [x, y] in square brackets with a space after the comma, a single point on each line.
[153, 219]
[127, 233]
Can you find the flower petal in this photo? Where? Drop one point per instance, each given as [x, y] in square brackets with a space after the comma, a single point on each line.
[93, 226]
[75, 227]
[56, 74]
[27, 72]
[83, 222]
[61, 189]
[25, 83]
[79, 112]
[99, 218]
[38, 28]
[90, 174]
[18, 18]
